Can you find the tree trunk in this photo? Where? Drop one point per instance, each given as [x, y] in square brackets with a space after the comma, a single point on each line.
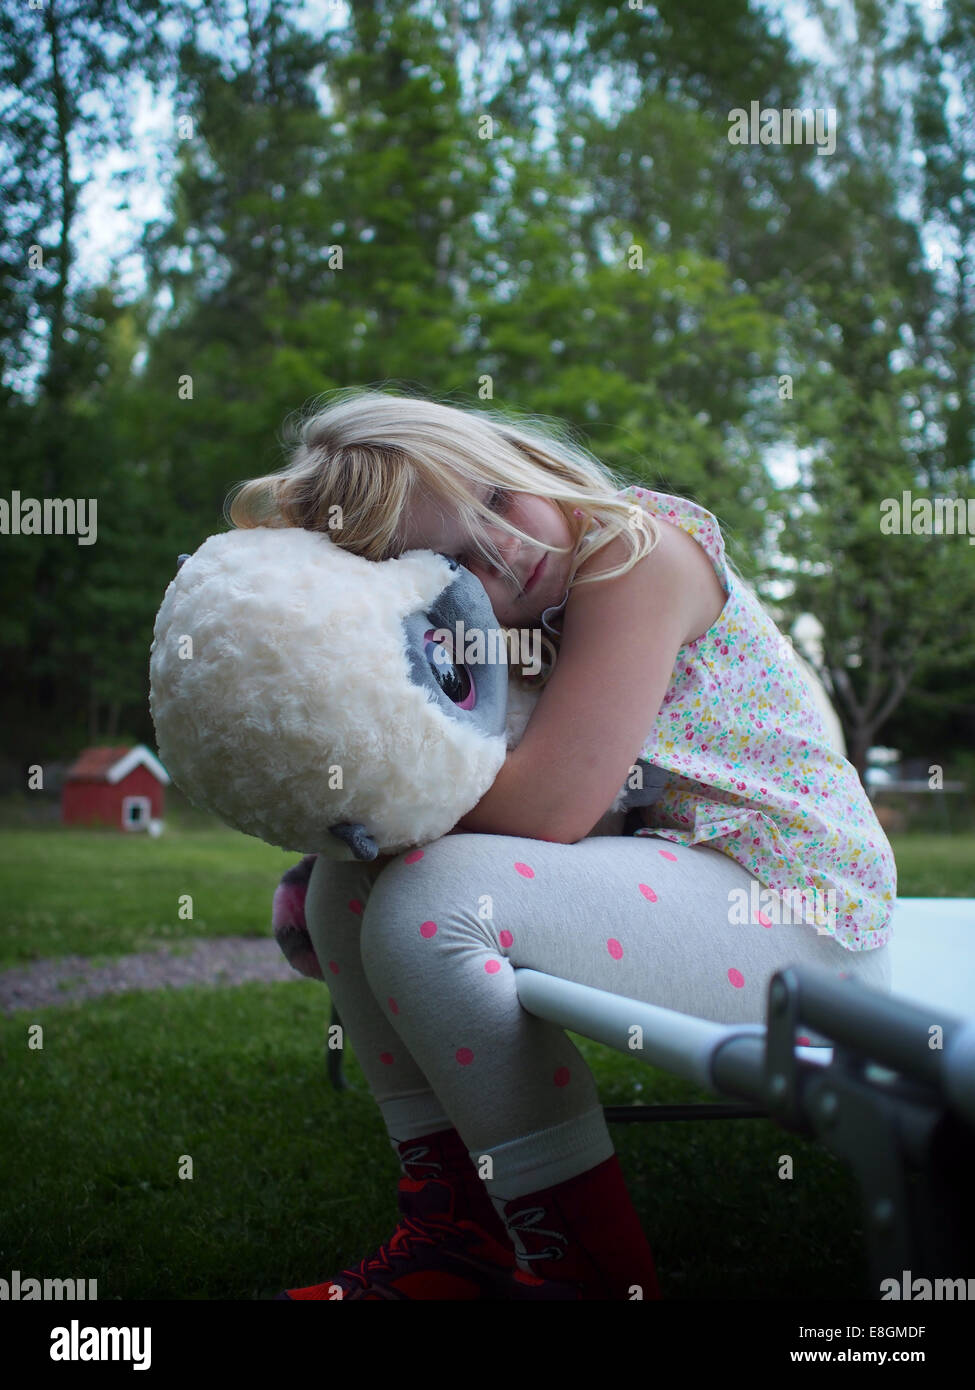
[56, 382]
[860, 739]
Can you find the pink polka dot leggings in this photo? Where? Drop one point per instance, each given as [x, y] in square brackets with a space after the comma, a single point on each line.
[420, 964]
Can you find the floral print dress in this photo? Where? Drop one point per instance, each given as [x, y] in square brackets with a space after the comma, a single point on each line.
[753, 772]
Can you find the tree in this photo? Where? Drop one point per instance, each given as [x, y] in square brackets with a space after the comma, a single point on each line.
[64, 68]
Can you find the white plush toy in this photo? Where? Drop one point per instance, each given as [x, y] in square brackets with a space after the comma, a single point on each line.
[299, 693]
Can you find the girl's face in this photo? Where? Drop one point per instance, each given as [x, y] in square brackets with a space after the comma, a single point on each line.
[542, 576]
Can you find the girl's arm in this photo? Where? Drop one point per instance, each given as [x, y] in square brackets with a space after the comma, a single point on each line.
[619, 643]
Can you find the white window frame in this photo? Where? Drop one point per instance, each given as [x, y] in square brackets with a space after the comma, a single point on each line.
[130, 801]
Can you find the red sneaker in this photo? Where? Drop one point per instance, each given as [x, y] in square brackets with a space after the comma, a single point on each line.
[432, 1255]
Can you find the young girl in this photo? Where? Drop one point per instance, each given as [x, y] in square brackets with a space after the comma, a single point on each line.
[659, 652]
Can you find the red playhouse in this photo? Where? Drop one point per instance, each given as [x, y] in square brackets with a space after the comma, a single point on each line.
[123, 788]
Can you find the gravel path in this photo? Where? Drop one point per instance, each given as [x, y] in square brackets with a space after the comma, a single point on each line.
[228, 960]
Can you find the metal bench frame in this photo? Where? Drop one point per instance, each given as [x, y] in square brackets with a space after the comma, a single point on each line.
[894, 1097]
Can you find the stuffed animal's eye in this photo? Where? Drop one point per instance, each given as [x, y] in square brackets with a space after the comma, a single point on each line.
[452, 676]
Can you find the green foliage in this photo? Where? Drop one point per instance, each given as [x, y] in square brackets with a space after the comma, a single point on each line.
[336, 215]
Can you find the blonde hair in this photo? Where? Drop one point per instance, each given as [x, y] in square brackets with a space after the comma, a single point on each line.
[358, 462]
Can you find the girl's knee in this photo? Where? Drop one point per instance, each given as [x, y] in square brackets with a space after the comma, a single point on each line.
[438, 871]
[872, 968]
[395, 914]
[422, 904]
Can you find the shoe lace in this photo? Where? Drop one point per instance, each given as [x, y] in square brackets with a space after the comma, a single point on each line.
[527, 1220]
[413, 1160]
[409, 1233]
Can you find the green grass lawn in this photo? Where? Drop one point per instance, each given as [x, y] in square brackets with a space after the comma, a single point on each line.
[291, 1180]
[71, 891]
[935, 866]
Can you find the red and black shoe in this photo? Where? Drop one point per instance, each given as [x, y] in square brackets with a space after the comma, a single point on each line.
[433, 1255]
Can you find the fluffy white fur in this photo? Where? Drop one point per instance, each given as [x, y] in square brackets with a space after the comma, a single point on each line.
[290, 707]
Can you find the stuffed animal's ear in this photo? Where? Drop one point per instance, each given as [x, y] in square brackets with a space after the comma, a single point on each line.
[355, 835]
[288, 919]
[652, 780]
[521, 706]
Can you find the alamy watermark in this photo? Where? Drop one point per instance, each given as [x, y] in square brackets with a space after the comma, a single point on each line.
[769, 126]
[498, 646]
[24, 1290]
[775, 907]
[77, 1343]
[50, 516]
[917, 1289]
[908, 515]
